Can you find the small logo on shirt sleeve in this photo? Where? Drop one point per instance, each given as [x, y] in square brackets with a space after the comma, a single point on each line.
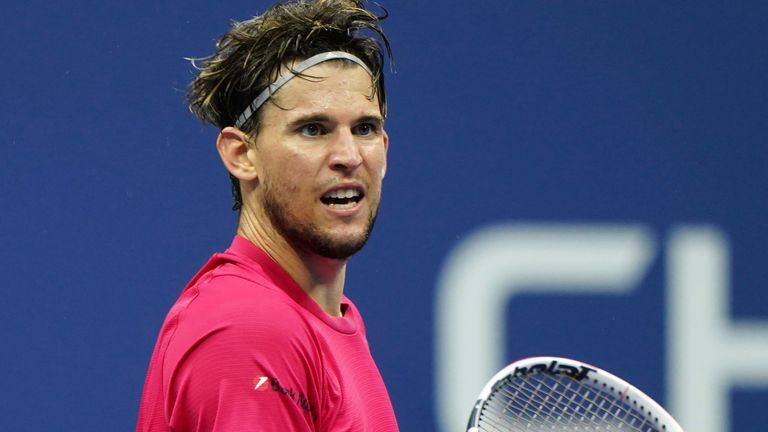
[259, 383]
[263, 383]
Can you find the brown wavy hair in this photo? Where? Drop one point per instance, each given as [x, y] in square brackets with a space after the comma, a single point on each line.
[252, 53]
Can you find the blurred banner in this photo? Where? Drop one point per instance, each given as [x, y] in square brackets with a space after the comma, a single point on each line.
[706, 354]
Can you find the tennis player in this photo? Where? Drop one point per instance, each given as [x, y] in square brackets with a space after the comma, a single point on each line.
[263, 338]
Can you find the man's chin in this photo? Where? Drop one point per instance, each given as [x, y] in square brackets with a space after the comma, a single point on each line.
[336, 248]
[335, 241]
[338, 243]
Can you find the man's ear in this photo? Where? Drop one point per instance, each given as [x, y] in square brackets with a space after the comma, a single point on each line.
[386, 148]
[233, 146]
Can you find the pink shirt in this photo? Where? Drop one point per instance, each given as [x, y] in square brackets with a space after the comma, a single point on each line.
[246, 349]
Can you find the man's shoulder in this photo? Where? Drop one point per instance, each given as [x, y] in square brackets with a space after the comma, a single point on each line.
[232, 281]
[227, 315]
[241, 299]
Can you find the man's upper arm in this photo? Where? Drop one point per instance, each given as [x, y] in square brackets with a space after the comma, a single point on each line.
[247, 371]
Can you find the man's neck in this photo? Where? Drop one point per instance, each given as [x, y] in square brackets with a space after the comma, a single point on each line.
[321, 278]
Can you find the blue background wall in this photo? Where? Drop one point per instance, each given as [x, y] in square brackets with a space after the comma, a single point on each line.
[112, 195]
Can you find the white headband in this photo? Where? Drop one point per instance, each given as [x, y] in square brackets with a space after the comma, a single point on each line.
[284, 78]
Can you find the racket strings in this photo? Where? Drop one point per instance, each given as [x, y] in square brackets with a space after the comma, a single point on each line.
[579, 406]
[546, 402]
[536, 413]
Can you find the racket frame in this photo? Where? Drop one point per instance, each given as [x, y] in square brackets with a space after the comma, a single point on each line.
[596, 378]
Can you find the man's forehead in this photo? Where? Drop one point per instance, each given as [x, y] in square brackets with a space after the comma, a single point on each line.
[294, 69]
[324, 87]
[337, 114]
[337, 73]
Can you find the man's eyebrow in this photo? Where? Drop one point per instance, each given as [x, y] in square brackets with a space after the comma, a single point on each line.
[371, 118]
[324, 118]
[309, 118]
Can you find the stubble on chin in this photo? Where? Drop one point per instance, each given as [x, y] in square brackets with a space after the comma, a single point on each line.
[307, 236]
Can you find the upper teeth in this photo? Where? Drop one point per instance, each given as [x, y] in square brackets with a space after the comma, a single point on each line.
[343, 193]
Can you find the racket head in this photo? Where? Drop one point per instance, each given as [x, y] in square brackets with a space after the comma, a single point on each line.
[555, 393]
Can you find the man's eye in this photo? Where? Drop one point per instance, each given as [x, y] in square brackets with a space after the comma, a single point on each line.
[365, 129]
[312, 129]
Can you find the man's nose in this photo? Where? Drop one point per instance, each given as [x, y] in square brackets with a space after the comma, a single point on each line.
[345, 151]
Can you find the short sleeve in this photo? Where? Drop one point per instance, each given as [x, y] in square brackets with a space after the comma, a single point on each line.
[243, 369]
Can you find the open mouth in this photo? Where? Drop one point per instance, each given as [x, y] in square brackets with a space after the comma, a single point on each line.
[342, 198]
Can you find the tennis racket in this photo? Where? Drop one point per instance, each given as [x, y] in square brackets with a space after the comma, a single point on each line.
[557, 394]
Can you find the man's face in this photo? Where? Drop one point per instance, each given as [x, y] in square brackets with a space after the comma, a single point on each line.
[322, 159]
